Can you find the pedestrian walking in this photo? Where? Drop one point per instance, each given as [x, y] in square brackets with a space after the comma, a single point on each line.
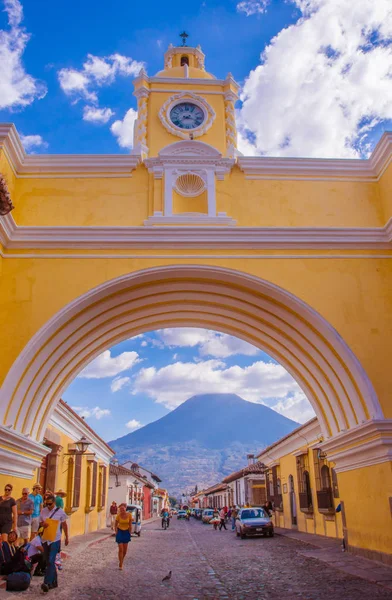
[113, 514]
[123, 532]
[25, 508]
[234, 515]
[37, 499]
[59, 498]
[8, 513]
[215, 519]
[54, 522]
[222, 517]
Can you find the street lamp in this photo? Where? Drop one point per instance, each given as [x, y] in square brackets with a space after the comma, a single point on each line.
[82, 445]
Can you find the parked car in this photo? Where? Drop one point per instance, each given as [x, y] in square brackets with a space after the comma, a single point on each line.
[253, 521]
[208, 513]
[181, 514]
[136, 511]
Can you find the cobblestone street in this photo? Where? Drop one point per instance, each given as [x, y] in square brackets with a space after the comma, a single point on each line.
[205, 564]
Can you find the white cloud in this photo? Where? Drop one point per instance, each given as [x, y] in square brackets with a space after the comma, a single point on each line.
[253, 7]
[323, 82]
[96, 412]
[263, 383]
[133, 424]
[123, 130]
[95, 73]
[17, 88]
[74, 83]
[106, 365]
[209, 343]
[97, 115]
[33, 141]
[119, 382]
[144, 344]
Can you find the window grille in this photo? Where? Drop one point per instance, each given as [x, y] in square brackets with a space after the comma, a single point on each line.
[304, 487]
[94, 485]
[323, 483]
[335, 486]
[77, 481]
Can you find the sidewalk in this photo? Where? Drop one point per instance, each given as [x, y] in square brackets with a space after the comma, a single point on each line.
[329, 550]
[79, 543]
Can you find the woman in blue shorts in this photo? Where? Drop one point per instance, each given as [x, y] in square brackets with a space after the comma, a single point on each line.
[123, 532]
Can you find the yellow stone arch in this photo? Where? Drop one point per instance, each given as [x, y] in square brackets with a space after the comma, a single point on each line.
[217, 298]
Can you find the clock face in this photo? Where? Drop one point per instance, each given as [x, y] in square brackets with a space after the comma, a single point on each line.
[187, 115]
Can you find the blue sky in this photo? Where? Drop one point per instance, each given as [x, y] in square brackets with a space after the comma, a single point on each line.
[314, 74]
[142, 379]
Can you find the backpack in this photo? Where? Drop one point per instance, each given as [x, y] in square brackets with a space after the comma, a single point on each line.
[18, 582]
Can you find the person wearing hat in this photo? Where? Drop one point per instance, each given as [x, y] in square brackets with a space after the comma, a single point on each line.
[36, 497]
[60, 495]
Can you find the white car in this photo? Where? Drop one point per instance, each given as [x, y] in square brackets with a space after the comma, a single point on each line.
[208, 513]
[253, 521]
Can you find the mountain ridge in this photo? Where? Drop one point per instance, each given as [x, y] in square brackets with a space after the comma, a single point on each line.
[203, 439]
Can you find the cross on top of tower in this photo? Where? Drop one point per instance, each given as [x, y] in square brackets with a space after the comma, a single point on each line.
[183, 36]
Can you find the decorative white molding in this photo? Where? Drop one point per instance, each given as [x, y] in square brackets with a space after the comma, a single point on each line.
[63, 420]
[291, 443]
[363, 446]
[188, 157]
[13, 236]
[192, 219]
[208, 111]
[13, 463]
[62, 165]
[264, 167]
[190, 184]
[121, 165]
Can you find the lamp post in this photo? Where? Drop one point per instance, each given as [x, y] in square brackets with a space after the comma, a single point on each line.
[81, 446]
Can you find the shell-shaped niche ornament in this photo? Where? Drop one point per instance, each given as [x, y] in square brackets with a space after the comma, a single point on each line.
[190, 184]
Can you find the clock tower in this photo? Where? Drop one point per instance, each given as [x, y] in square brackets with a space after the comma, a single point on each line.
[186, 135]
[185, 102]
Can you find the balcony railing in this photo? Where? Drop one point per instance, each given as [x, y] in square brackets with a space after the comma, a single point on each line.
[305, 502]
[324, 500]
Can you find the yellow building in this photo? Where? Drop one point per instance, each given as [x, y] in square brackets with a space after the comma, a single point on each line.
[303, 484]
[292, 255]
[77, 462]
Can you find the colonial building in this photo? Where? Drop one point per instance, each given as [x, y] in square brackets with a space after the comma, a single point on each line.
[131, 487]
[248, 485]
[159, 496]
[78, 463]
[292, 255]
[303, 484]
[217, 496]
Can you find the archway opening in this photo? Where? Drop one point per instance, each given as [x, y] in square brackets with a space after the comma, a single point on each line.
[251, 309]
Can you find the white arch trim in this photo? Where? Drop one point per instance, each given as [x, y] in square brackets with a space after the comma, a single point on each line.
[216, 298]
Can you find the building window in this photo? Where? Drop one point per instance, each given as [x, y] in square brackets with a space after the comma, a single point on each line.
[184, 60]
[70, 477]
[304, 487]
[77, 479]
[274, 489]
[94, 485]
[335, 487]
[323, 483]
[102, 488]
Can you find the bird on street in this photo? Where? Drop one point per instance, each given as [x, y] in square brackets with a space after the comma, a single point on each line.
[167, 577]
